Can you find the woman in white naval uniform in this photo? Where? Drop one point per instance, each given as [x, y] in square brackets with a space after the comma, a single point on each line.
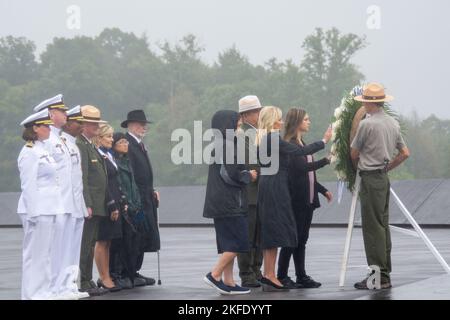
[57, 147]
[39, 204]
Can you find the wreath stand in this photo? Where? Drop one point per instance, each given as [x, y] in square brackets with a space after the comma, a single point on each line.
[417, 233]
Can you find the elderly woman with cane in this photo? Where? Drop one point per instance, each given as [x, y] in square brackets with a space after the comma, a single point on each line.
[125, 251]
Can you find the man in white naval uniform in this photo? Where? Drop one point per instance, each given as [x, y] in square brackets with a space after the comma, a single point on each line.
[58, 149]
[40, 202]
[72, 238]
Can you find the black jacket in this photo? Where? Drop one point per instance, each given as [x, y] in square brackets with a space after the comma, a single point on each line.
[142, 169]
[114, 192]
[299, 186]
[225, 191]
[143, 175]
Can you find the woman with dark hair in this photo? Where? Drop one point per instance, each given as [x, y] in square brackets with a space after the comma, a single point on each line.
[124, 252]
[303, 189]
[226, 203]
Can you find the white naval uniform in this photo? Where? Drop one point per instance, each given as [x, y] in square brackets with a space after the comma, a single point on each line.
[62, 272]
[39, 204]
[74, 229]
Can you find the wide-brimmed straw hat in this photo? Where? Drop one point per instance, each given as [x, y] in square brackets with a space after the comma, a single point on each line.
[91, 114]
[374, 92]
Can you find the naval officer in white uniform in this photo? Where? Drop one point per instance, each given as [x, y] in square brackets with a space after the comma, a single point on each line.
[72, 238]
[62, 273]
[39, 204]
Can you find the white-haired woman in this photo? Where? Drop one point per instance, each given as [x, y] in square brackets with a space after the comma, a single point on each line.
[278, 228]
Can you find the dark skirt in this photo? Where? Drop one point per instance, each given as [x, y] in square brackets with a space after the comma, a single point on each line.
[232, 234]
[108, 229]
[278, 227]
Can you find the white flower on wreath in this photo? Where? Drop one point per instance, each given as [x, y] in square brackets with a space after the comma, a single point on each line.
[333, 149]
[333, 159]
[338, 112]
[341, 175]
[337, 124]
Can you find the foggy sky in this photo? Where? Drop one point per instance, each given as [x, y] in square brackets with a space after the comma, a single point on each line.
[409, 54]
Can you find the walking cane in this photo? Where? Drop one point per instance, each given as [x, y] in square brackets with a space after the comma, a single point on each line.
[159, 267]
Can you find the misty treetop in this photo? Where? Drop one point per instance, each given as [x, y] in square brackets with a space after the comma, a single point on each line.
[118, 71]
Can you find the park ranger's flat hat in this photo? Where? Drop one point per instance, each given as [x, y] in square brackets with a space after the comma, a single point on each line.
[91, 114]
[57, 102]
[374, 92]
[74, 114]
[39, 118]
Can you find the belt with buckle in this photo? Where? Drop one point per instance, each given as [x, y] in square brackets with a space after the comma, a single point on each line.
[377, 171]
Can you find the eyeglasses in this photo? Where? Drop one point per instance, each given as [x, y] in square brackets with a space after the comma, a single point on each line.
[122, 142]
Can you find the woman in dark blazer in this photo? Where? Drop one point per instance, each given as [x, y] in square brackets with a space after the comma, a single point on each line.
[304, 189]
[110, 226]
[226, 203]
[274, 202]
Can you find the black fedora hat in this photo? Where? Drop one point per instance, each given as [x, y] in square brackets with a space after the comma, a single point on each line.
[135, 116]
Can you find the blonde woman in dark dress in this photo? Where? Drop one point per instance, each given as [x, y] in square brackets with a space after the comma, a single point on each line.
[274, 203]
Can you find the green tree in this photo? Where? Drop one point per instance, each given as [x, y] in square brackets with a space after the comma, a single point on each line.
[17, 60]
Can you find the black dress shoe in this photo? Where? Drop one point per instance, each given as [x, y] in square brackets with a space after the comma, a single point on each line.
[362, 285]
[139, 282]
[124, 283]
[94, 292]
[148, 281]
[307, 282]
[251, 284]
[289, 284]
[269, 286]
[110, 289]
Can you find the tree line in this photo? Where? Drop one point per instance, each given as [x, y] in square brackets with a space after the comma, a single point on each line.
[119, 71]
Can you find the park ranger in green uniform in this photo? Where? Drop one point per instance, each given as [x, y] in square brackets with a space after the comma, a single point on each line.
[94, 192]
[372, 151]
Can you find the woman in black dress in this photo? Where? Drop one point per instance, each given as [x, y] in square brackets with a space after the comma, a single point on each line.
[226, 203]
[110, 226]
[304, 189]
[278, 227]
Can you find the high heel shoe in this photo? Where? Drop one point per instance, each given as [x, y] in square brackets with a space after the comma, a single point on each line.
[100, 284]
[269, 286]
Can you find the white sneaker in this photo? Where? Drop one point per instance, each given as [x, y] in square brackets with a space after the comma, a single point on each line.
[81, 295]
[65, 296]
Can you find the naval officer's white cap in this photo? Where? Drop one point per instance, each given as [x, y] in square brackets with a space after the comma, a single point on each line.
[57, 102]
[38, 118]
[75, 114]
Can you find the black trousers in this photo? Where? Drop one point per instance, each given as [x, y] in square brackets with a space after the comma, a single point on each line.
[303, 219]
[124, 252]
